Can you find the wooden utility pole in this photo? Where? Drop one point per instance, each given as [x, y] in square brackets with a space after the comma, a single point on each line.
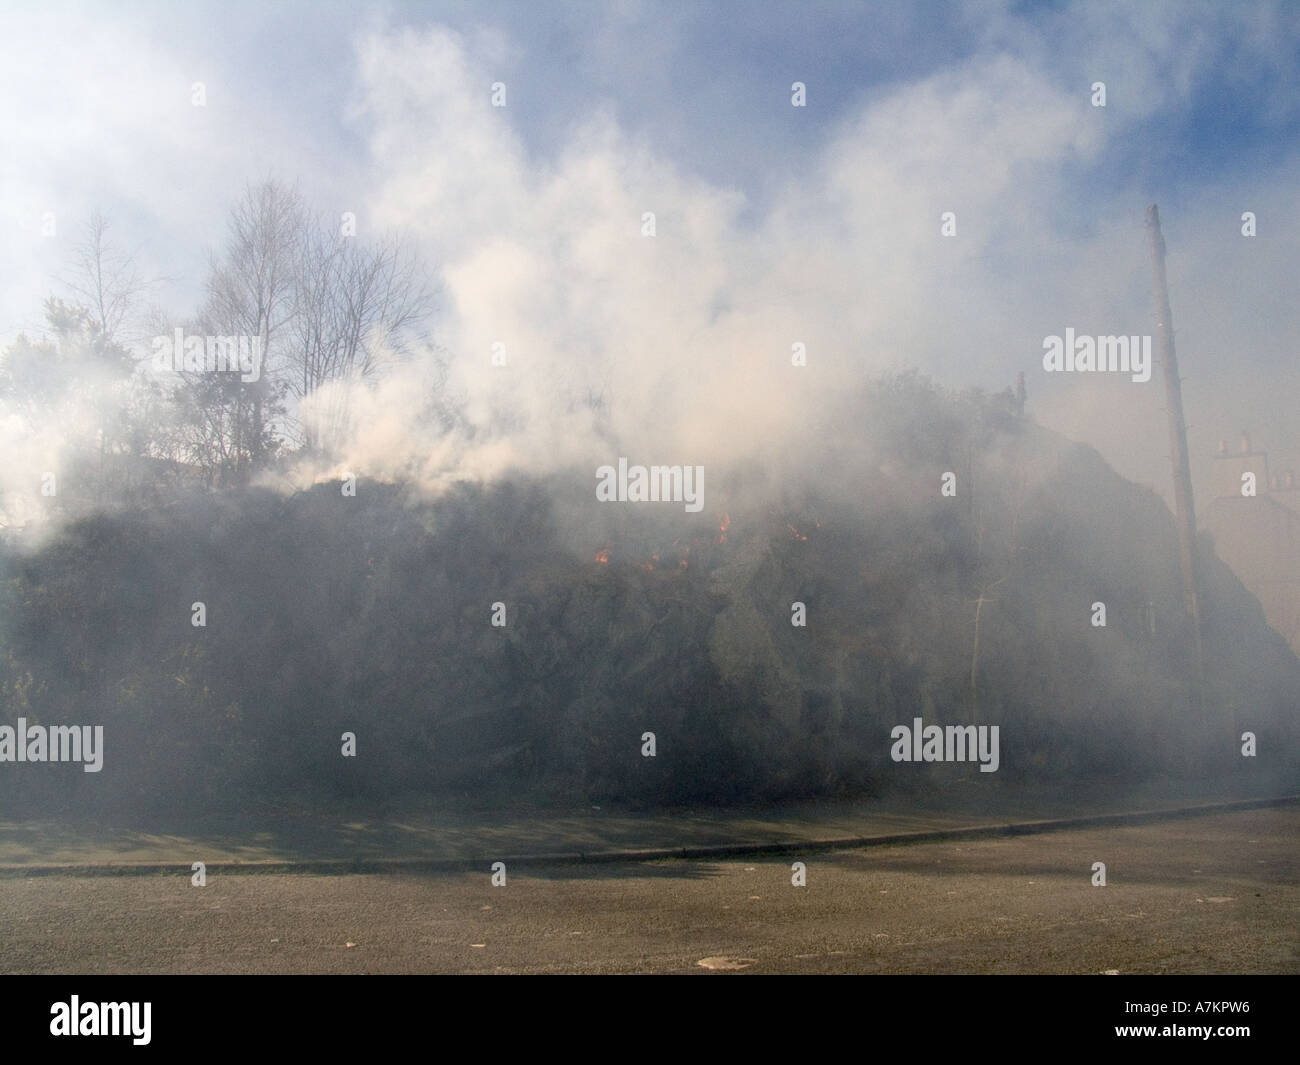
[975, 652]
[1184, 510]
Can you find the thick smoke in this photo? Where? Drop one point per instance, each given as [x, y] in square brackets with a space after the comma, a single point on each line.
[678, 347]
[602, 299]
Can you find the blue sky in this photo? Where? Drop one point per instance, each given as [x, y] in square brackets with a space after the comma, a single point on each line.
[776, 223]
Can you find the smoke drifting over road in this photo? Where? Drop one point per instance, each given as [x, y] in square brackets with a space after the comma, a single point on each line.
[829, 547]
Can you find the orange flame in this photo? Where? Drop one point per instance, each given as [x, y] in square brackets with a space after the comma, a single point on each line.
[796, 533]
[723, 526]
[602, 556]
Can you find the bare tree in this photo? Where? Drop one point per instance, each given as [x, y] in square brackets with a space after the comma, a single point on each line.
[323, 306]
[104, 279]
[356, 307]
[250, 290]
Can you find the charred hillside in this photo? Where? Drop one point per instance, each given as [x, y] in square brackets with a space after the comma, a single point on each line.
[377, 615]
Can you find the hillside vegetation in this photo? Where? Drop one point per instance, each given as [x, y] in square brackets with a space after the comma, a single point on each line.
[327, 614]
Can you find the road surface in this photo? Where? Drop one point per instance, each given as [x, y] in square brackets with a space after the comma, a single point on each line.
[1215, 894]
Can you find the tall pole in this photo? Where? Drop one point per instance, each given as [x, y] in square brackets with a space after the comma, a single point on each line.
[1184, 511]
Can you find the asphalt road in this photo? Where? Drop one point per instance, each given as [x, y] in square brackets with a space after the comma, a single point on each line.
[1218, 894]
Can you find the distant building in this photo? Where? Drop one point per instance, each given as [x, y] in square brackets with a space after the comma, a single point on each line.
[1258, 535]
